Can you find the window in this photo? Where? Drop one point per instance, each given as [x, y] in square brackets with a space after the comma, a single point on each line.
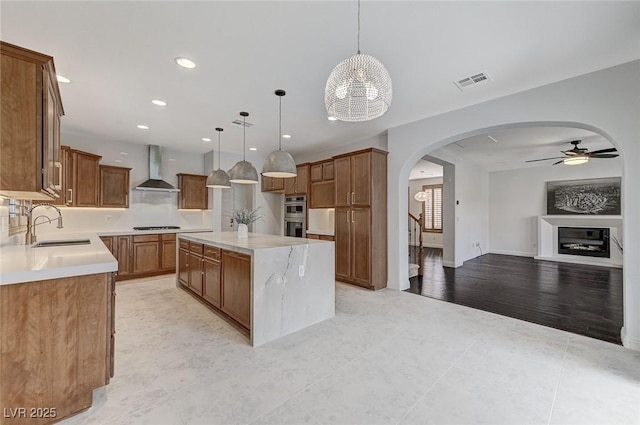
[432, 208]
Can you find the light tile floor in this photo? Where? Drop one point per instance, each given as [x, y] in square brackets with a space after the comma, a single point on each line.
[387, 357]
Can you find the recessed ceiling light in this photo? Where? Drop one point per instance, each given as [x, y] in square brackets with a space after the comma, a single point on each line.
[422, 171]
[286, 136]
[124, 153]
[253, 149]
[172, 159]
[159, 102]
[332, 118]
[185, 63]
[118, 160]
[206, 139]
[62, 79]
[143, 127]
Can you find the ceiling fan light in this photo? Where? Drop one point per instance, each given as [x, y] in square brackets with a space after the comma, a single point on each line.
[243, 173]
[576, 160]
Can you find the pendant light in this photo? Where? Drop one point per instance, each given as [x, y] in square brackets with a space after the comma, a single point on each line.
[359, 88]
[218, 178]
[279, 163]
[243, 172]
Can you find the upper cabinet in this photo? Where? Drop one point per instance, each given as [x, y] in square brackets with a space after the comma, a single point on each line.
[354, 178]
[114, 186]
[298, 185]
[85, 179]
[322, 186]
[30, 164]
[193, 192]
[272, 184]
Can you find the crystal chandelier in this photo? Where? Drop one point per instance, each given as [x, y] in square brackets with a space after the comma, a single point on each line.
[359, 87]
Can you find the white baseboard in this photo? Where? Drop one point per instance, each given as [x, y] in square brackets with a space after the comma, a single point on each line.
[629, 342]
[431, 245]
[517, 253]
[451, 264]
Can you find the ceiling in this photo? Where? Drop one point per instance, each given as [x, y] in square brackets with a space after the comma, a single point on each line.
[425, 170]
[120, 56]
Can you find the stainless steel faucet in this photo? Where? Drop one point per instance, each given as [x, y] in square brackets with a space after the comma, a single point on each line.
[30, 237]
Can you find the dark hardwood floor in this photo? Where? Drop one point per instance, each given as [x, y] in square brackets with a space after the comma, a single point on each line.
[585, 300]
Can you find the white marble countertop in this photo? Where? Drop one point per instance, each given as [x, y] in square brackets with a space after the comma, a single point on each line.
[231, 241]
[321, 232]
[149, 232]
[24, 263]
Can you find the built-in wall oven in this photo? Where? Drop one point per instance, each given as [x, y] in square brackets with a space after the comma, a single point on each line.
[295, 216]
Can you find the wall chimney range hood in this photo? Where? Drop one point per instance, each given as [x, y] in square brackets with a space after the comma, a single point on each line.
[155, 182]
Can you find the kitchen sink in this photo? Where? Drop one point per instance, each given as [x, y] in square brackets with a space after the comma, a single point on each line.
[68, 242]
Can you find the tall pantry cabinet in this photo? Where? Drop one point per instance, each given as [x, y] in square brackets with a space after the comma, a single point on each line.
[361, 218]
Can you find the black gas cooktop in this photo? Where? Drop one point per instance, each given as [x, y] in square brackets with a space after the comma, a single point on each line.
[156, 227]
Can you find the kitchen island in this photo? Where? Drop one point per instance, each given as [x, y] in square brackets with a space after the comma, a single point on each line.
[270, 285]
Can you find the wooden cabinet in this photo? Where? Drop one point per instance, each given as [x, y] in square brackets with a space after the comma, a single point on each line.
[361, 207]
[168, 253]
[298, 185]
[236, 286]
[195, 272]
[85, 179]
[183, 266]
[30, 164]
[193, 192]
[212, 276]
[120, 248]
[146, 254]
[272, 184]
[114, 186]
[56, 344]
[322, 192]
[321, 171]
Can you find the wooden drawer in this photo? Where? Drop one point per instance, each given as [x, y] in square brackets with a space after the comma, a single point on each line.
[168, 236]
[146, 238]
[196, 248]
[326, 237]
[237, 254]
[312, 236]
[212, 252]
[184, 244]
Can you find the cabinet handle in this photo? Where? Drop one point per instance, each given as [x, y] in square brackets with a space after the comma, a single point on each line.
[347, 217]
[70, 201]
[348, 198]
[126, 199]
[353, 219]
[58, 165]
[353, 197]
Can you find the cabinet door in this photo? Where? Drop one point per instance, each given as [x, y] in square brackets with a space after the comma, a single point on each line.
[342, 172]
[211, 285]
[168, 259]
[361, 179]
[108, 242]
[322, 195]
[146, 257]
[114, 186]
[266, 184]
[50, 151]
[343, 243]
[183, 267]
[289, 186]
[277, 184]
[327, 171]
[67, 175]
[195, 273]
[315, 173]
[86, 178]
[193, 192]
[361, 246]
[236, 286]
[302, 179]
[123, 255]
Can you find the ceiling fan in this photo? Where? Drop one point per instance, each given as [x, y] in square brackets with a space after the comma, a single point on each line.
[577, 155]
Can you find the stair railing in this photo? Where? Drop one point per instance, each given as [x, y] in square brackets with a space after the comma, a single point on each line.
[415, 239]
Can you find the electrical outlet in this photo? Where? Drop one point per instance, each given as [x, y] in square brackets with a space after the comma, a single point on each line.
[107, 219]
[301, 270]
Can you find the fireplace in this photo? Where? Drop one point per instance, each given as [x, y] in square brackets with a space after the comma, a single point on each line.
[587, 241]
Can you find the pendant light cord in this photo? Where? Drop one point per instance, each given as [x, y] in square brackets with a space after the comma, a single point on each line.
[244, 138]
[358, 26]
[280, 126]
[219, 149]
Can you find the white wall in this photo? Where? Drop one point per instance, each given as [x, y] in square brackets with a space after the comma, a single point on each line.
[379, 142]
[518, 197]
[606, 102]
[433, 240]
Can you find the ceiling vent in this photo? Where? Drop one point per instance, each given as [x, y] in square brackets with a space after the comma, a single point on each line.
[472, 80]
[240, 123]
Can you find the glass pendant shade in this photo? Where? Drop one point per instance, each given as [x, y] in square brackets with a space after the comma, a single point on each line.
[243, 172]
[358, 89]
[218, 178]
[420, 196]
[279, 163]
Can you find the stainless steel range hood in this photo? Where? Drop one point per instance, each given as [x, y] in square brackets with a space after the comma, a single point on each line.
[155, 181]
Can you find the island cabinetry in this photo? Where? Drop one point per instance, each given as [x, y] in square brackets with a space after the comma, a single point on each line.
[195, 267]
[183, 263]
[120, 248]
[56, 345]
[114, 186]
[30, 164]
[212, 276]
[193, 192]
[298, 185]
[236, 286]
[361, 207]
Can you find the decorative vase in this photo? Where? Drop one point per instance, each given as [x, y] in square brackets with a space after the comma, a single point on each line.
[243, 230]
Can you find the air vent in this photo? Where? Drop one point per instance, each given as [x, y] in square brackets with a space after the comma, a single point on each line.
[239, 123]
[472, 80]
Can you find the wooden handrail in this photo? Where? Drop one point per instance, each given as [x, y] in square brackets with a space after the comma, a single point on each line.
[420, 248]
